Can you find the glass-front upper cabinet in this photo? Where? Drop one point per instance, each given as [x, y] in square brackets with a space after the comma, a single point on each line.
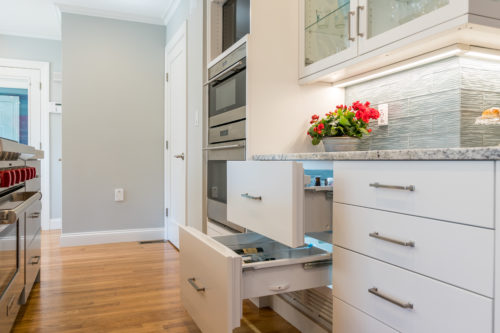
[328, 33]
[382, 22]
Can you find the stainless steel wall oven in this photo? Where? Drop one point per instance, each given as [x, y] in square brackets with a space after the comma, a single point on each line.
[227, 128]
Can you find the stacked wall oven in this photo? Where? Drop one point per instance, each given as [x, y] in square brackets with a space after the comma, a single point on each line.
[20, 227]
[227, 126]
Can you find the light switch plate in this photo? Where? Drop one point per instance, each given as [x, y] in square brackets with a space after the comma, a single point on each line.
[119, 194]
[383, 120]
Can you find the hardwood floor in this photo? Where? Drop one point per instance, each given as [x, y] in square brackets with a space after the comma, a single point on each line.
[123, 287]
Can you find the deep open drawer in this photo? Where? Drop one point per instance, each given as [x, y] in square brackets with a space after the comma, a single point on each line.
[269, 197]
[215, 279]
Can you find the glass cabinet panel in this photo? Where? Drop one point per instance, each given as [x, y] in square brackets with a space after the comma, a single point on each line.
[326, 28]
[384, 15]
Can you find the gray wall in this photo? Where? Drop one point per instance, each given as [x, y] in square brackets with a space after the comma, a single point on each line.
[434, 105]
[192, 11]
[112, 123]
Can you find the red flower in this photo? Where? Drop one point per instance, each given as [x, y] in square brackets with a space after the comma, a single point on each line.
[369, 130]
[321, 126]
[315, 117]
[312, 122]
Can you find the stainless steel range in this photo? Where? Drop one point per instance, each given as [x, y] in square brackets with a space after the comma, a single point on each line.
[227, 128]
[19, 229]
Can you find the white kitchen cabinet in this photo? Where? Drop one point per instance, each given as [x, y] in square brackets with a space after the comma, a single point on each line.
[215, 279]
[430, 247]
[268, 197]
[405, 301]
[447, 190]
[328, 36]
[370, 25]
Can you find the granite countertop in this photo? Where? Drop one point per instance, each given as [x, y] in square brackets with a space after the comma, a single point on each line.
[479, 153]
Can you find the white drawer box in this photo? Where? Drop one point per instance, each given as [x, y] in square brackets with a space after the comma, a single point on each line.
[268, 197]
[459, 191]
[347, 319]
[214, 279]
[437, 307]
[457, 254]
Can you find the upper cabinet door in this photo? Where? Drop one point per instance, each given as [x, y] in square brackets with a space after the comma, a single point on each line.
[383, 22]
[328, 34]
[267, 197]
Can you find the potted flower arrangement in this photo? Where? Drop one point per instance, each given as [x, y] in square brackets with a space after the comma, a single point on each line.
[341, 129]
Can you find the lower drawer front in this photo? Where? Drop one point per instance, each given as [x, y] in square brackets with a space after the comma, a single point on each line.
[347, 319]
[9, 304]
[276, 280]
[423, 304]
[33, 261]
[436, 250]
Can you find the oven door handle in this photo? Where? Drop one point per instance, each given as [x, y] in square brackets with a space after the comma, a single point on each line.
[232, 68]
[225, 147]
[10, 216]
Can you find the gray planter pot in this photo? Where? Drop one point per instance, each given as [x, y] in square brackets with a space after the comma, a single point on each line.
[340, 143]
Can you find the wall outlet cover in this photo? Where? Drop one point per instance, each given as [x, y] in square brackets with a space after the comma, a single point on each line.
[383, 120]
[119, 194]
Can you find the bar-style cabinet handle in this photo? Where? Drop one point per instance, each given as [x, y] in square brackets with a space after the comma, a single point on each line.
[377, 293]
[248, 196]
[351, 13]
[358, 9]
[391, 240]
[192, 282]
[410, 188]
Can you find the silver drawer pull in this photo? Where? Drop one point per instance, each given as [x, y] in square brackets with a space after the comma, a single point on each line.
[35, 260]
[248, 196]
[391, 240]
[34, 216]
[181, 156]
[410, 188]
[192, 282]
[314, 264]
[375, 292]
[352, 39]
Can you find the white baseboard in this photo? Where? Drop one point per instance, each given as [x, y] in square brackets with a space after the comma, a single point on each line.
[55, 224]
[111, 236]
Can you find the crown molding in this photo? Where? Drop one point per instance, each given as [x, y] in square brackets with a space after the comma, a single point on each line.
[63, 8]
[169, 12]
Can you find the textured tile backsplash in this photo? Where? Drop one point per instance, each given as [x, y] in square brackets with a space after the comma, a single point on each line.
[433, 106]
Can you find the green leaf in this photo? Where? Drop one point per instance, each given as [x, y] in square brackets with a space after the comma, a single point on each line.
[343, 121]
[363, 131]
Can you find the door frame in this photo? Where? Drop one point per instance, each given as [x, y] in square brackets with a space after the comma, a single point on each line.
[44, 68]
[179, 37]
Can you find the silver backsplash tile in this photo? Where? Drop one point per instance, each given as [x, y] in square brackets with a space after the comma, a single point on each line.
[434, 105]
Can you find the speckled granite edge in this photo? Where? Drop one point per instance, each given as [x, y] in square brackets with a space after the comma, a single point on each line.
[480, 153]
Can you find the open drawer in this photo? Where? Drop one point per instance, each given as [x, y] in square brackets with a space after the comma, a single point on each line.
[215, 279]
[269, 198]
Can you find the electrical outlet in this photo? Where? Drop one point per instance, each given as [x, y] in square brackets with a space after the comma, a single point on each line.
[383, 120]
[119, 194]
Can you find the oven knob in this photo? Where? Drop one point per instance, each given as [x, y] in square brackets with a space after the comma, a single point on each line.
[23, 174]
[5, 178]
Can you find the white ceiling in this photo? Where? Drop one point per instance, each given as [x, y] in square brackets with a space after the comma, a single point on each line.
[41, 18]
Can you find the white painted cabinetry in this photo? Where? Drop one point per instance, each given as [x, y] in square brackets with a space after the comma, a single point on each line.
[337, 34]
[217, 273]
[416, 251]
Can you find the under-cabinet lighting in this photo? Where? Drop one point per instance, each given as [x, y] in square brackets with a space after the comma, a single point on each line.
[483, 54]
[404, 65]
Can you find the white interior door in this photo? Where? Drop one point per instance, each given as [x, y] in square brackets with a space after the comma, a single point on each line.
[55, 170]
[175, 128]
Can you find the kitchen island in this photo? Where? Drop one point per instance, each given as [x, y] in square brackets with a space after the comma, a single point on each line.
[414, 235]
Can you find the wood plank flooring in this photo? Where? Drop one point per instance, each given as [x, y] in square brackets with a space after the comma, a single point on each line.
[123, 287]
